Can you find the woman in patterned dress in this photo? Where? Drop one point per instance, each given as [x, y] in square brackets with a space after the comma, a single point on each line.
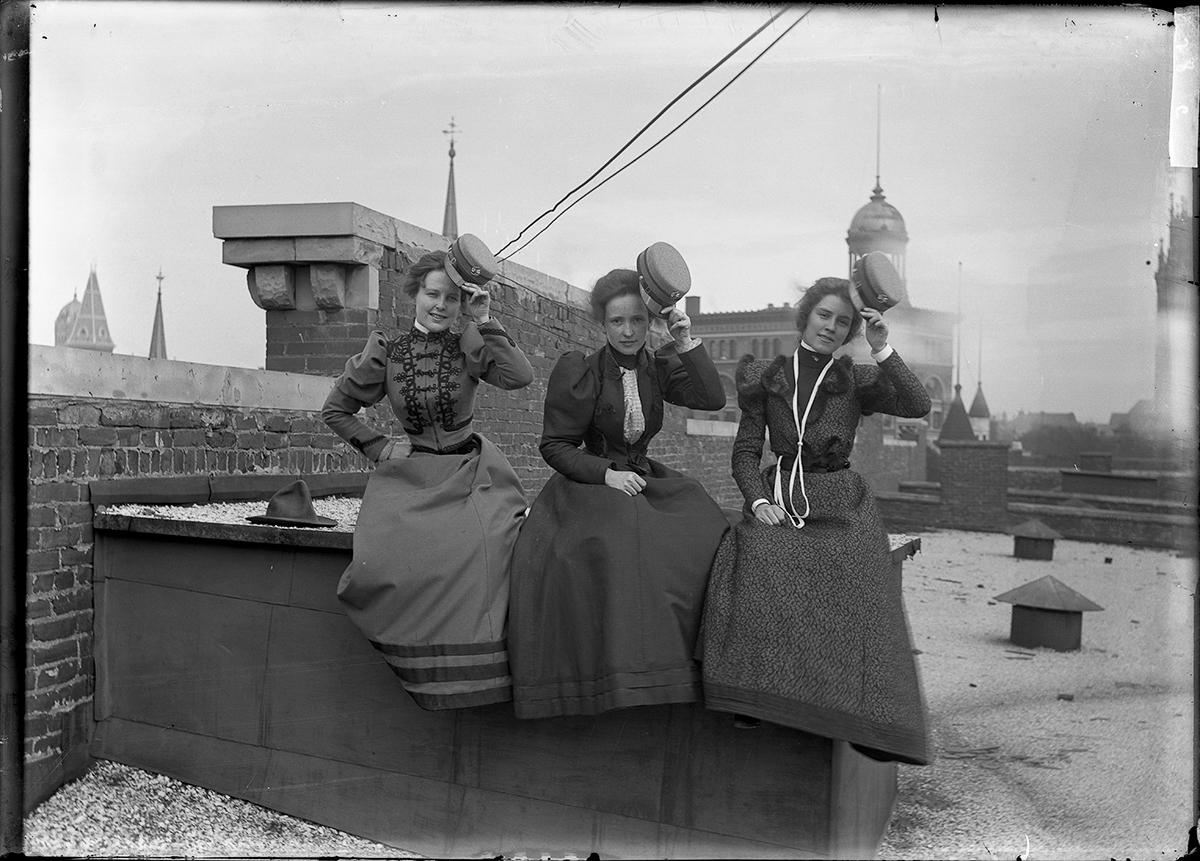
[428, 584]
[610, 568]
[804, 623]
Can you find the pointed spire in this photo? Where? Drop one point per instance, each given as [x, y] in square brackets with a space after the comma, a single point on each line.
[979, 407]
[957, 425]
[450, 217]
[878, 190]
[89, 328]
[158, 336]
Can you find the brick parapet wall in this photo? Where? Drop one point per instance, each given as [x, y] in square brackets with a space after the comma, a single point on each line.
[73, 441]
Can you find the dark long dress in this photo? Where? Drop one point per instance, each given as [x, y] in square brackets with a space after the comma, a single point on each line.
[607, 588]
[428, 583]
[806, 627]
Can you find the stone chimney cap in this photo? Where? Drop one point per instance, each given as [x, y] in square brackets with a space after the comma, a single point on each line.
[1048, 593]
[1034, 529]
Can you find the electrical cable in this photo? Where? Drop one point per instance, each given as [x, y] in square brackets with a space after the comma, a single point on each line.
[643, 129]
[653, 146]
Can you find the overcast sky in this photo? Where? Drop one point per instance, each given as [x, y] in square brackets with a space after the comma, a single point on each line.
[1029, 143]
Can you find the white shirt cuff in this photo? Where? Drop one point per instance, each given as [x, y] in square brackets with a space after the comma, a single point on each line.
[884, 354]
[754, 505]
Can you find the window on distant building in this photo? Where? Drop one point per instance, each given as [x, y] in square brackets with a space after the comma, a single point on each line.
[775, 347]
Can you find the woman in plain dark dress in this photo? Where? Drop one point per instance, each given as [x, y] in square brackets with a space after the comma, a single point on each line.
[804, 623]
[609, 572]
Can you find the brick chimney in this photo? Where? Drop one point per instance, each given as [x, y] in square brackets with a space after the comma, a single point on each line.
[974, 478]
[324, 273]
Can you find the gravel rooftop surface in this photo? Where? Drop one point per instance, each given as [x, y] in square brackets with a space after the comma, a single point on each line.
[1086, 754]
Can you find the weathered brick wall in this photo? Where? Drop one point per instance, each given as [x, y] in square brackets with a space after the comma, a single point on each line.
[884, 460]
[974, 479]
[1035, 477]
[73, 441]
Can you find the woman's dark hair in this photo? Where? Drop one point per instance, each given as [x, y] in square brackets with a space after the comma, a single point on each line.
[821, 288]
[414, 276]
[619, 282]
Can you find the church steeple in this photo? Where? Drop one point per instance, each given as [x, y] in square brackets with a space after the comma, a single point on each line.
[450, 217]
[158, 336]
[84, 323]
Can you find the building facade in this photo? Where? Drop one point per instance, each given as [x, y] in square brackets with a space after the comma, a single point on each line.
[924, 337]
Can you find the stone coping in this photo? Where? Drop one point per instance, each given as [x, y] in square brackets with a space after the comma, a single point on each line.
[901, 546]
[264, 222]
[245, 533]
[70, 372]
[201, 489]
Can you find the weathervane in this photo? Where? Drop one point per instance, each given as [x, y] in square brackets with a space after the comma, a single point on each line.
[451, 131]
[159, 276]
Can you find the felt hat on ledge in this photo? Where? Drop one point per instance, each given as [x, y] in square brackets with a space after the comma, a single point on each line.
[875, 283]
[292, 506]
[664, 277]
[469, 261]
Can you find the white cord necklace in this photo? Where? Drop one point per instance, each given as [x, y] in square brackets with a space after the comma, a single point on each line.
[798, 520]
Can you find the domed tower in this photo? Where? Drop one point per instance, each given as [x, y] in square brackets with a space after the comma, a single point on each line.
[66, 321]
[878, 226]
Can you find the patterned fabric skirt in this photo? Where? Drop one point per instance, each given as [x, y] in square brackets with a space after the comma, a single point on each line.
[607, 591]
[806, 627]
[428, 584]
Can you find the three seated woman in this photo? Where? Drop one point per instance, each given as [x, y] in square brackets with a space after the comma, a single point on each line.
[624, 584]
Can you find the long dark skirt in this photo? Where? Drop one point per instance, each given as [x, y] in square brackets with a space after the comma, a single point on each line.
[607, 592]
[428, 584]
[806, 627]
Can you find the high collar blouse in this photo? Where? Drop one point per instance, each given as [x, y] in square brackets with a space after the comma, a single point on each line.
[429, 379]
[585, 404]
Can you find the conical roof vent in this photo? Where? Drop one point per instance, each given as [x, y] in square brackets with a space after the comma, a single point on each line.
[1048, 593]
[956, 425]
[1034, 529]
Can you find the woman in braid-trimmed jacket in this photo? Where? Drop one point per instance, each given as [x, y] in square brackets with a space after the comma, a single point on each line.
[428, 583]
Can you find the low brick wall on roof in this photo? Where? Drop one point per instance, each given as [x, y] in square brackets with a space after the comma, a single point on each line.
[95, 416]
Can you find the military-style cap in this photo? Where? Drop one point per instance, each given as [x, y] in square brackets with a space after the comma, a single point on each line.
[665, 278]
[468, 261]
[875, 283]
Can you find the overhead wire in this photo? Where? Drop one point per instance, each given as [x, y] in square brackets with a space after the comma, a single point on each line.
[643, 130]
[653, 146]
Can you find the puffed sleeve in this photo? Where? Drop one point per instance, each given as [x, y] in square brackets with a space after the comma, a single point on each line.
[689, 379]
[891, 388]
[361, 384]
[570, 402]
[494, 357]
[751, 432]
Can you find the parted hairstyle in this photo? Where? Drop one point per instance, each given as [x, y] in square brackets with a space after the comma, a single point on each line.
[821, 288]
[414, 276]
[618, 282]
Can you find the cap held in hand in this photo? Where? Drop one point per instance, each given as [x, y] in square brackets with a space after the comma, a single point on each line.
[665, 278]
[875, 283]
[292, 506]
[469, 262]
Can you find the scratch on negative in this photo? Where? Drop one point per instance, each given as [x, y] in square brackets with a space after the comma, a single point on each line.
[13, 55]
